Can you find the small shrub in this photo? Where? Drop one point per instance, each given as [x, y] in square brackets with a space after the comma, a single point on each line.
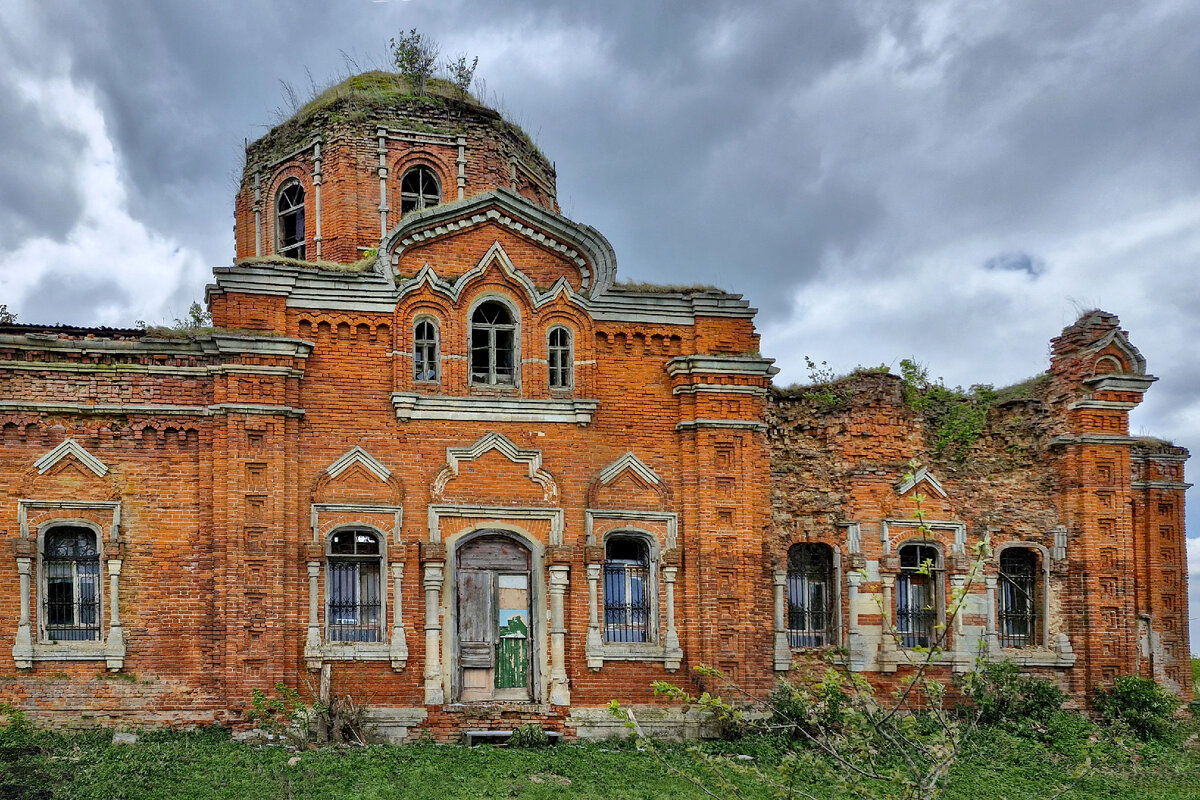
[809, 706]
[529, 735]
[283, 715]
[1141, 704]
[1001, 694]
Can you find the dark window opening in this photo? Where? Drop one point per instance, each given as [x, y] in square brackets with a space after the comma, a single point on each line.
[626, 590]
[560, 358]
[425, 351]
[355, 601]
[289, 216]
[1018, 612]
[810, 593]
[493, 345]
[71, 568]
[917, 595]
[419, 189]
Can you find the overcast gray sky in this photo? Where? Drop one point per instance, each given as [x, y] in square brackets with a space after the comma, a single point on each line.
[951, 181]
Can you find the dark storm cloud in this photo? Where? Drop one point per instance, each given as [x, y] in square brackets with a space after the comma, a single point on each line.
[39, 195]
[88, 296]
[1016, 262]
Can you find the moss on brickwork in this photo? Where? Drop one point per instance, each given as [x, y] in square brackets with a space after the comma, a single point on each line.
[364, 264]
[667, 288]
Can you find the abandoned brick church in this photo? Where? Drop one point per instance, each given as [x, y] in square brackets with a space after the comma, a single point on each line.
[434, 451]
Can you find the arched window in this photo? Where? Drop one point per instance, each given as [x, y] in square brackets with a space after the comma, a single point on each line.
[289, 221]
[627, 590]
[493, 345]
[419, 189]
[352, 586]
[1018, 613]
[71, 584]
[810, 593]
[560, 358]
[918, 595]
[426, 366]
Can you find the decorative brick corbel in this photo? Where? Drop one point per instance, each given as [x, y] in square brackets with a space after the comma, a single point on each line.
[432, 551]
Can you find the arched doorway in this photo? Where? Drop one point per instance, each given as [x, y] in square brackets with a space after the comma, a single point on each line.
[494, 597]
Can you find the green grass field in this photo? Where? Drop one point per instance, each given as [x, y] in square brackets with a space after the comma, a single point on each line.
[206, 765]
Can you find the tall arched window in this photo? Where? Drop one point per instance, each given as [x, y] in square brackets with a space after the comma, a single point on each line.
[918, 595]
[71, 584]
[419, 189]
[493, 345]
[352, 587]
[289, 221]
[1018, 613]
[426, 366]
[810, 594]
[627, 590]
[560, 358]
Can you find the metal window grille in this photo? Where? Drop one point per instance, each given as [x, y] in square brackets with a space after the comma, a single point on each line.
[355, 609]
[71, 568]
[419, 189]
[560, 358]
[917, 597]
[493, 356]
[425, 351]
[289, 215]
[1018, 612]
[626, 591]
[810, 596]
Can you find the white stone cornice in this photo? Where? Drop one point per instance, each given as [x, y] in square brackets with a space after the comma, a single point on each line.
[532, 459]
[359, 456]
[70, 447]
[632, 463]
[922, 475]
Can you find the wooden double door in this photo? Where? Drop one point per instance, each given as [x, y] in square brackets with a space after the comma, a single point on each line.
[495, 623]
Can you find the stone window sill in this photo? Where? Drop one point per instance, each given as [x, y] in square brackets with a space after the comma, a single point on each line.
[1034, 657]
[633, 651]
[492, 408]
[356, 651]
[114, 656]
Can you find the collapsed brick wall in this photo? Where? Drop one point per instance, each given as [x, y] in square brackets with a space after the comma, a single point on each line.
[1035, 476]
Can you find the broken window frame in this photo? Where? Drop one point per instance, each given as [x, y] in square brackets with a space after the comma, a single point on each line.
[1018, 584]
[811, 582]
[420, 188]
[560, 357]
[79, 565]
[291, 215]
[427, 366]
[360, 573]
[493, 340]
[627, 620]
[919, 594]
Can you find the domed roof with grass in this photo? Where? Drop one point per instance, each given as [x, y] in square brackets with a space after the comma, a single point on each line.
[361, 103]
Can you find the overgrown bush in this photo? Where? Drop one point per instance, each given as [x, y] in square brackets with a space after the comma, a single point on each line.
[529, 735]
[999, 693]
[1141, 704]
[808, 706]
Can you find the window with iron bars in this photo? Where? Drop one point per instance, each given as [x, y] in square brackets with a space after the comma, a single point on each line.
[627, 590]
[1018, 612]
[493, 337]
[918, 595]
[289, 221]
[419, 188]
[353, 587]
[560, 358]
[810, 593]
[425, 351]
[71, 575]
